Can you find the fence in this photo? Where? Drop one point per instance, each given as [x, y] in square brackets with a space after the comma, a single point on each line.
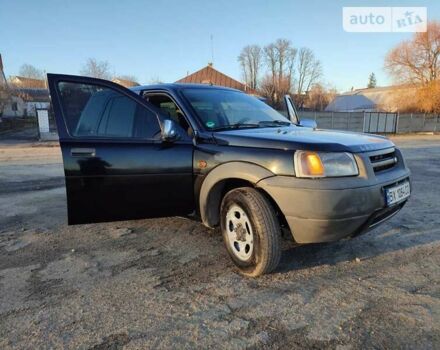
[370, 122]
[375, 122]
[29, 127]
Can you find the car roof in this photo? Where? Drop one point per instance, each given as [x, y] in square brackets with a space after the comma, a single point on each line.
[180, 86]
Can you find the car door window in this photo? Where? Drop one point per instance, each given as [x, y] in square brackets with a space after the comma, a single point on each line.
[95, 111]
[118, 117]
[168, 108]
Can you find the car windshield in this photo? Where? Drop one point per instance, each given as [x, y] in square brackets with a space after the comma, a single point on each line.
[226, 109]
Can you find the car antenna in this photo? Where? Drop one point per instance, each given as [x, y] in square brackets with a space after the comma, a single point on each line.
[212, 50]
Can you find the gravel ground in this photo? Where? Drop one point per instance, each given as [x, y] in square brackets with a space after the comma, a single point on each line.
[169, 283]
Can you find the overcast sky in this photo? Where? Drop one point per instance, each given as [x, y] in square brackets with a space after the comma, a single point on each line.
[166, 39]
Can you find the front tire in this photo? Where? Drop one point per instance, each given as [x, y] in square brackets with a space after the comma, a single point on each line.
[251, 231]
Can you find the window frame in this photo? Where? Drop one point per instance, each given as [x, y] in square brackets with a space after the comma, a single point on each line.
[166, 93]
[114, 87]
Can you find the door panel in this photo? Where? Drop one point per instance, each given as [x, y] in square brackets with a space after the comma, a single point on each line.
[115, 165]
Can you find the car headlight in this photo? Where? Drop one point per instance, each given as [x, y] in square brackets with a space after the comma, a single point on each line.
[324, 164]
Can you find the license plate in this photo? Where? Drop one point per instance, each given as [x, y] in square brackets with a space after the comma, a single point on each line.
[397, 193]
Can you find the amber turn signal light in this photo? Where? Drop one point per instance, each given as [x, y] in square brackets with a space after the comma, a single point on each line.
[311, 164]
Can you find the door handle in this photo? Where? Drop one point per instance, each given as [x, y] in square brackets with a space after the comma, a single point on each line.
[82, 152]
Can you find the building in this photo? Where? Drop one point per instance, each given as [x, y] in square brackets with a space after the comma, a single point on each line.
[22, 95]
[211, 76]
[380, 99]
[124, 82]
[14, 107]
[24, 102]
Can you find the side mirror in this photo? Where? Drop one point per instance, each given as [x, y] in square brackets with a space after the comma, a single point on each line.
[308, 123]
[169, 131]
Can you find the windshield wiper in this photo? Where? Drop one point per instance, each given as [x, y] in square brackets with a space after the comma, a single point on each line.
[261, 124]
[235, 126]
[274, 123]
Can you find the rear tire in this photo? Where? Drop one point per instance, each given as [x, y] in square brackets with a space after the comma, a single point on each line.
[251, 231]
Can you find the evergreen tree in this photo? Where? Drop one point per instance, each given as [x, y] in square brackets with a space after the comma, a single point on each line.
[372, 81]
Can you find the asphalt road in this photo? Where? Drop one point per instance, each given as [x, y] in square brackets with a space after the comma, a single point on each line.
[169, 282]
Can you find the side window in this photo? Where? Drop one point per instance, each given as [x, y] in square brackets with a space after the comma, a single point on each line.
[118, 117]
[168, 108]
[96, 111]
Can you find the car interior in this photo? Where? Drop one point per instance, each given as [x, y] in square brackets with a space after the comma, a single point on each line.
[169, 109]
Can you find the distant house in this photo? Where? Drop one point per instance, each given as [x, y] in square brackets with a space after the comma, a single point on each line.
[25, 102]
[14, 107]
[28, 95]
[27, 83]
[124, 82]
[381, 99]
[211, 76]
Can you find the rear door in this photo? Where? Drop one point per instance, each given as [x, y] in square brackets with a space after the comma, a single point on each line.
[116, 166]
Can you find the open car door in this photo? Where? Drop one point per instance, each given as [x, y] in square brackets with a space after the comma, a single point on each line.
[116, 165]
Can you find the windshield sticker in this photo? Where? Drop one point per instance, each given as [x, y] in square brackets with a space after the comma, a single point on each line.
[210, 124]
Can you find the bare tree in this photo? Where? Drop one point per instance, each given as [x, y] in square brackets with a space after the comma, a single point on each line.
[155, 80]
[29, 71]
[309, 70]
[319, 97]
[287, 70]
[250, 60]
[416, 60]
[270, 54]
[267, 88]
[280, 59]
[128, 77]
[428, 97]
[285, 55]
[415, 63]
[96, 69]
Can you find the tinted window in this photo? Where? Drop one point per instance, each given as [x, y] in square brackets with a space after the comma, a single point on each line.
[93, 110]
[118, 117]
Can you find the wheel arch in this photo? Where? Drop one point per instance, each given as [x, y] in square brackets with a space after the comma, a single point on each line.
[222, 179]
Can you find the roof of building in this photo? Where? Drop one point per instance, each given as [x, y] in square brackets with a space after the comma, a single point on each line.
[125, 82]
[369, 99]
[211, 76]
[178, 86]
[348, 103]
[24, 82]
[32, 95]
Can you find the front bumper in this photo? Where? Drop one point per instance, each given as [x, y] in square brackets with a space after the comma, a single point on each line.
[327, 210]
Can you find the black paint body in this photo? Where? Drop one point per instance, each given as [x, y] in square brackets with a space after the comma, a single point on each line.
[122, 179]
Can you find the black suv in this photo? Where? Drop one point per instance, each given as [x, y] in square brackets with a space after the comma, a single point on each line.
[223, 156]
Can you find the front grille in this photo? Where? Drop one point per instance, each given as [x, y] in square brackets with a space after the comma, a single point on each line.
[383, 161]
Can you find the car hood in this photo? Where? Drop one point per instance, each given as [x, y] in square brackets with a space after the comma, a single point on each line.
[301, 138]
